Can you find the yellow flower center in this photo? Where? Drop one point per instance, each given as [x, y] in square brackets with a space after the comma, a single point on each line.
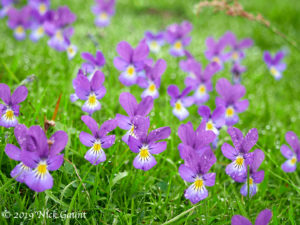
[235, 55]
[209, 126]
[92, 99]
[250, 181]
[239, 161]
[178, 45]
[40, 30]
[229, 112]
[97, 147]
[103, 16]
[42, 8]
[293, 160]
[59, 36]
[198, 184]
[20, 29]
[42, 168]
[178, 106]
[152, 87]
[216, 59]
[273, 71]
[130, 70]
[202, 89]
[154, 44]
[131, 131]
[70, 50]
[144, 153]
[9, 114]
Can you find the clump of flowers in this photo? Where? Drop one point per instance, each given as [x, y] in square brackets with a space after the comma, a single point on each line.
[146, 144]
[155, 41]
[177, 35]
[90, 91]
[98, 140]
[263, 218]
[201, 84]
[292, 155]
[230, 99]
[9, 111]
[274, 64]
[131, 61]
[180, 101]
[135, 121]
[151, 81]
[103, 10]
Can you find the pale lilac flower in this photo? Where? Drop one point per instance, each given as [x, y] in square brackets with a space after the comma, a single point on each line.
[274, 64]
[92, 63]
[293, 155]
[263, 218]
[236, 71]
[6, 5]
[103, 10]
[155, 41]
[41, 6]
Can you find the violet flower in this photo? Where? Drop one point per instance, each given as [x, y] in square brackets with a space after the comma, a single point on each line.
[151, 82]
[190, 66]
[6, 5]
[202, 84]
[104, 10]
[99, 139]
[274, 64]
[179, 101]
[198, 140]
[155, 41]
[263, 218]
[19, 21]
[57, 28]
[71, 50]
[239, 154]
[215, 50]
[255, 177]
[213, 121]
[42, 155]
[293, 155]
[37, 25]
[236, 71]
[177, 35]
[195, 170]
[9, 111]
[131, 61]
[133, 109]
[92, 63]
[237, 47]
[41, 6]
[145, 145]
[90, 91]
[230, 98]
[13, 152]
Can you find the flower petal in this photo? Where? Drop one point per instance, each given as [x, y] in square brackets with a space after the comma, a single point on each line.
[54, 162]
[39, 184]
[13, 152]
[292, 139]
[60, 140]
[128, 102]
[145, 165]
[240, 220]
[186, 173]
[159, 134]
[209, 179]
[86, 139]
[19, 95]
[90, 123]
[5, 93]
[263, 217]
[157, 148]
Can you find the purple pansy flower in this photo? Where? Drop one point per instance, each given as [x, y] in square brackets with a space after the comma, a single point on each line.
[215, 50]
[255, 177]
[202, 84]
[42, 155]
[190, 66]
[57, 28]
[274, 64]
[90, 91]
[239, 154]
[19, 21]
[195, 170]
[198, 140]
[131, 61]
[41, 6]
[237, 70]
[177, 35]
[133, 109]
[147, 144]
[71, 50]
[37, 24]
[155, 41]
[6, 5]
[213, 121]
[10, 110]
[230, 98]
[99, 139]
[237, 53]
[92, 63]
[263, 218]
[151, 82]
[75, 83]
[104, 10]
[293, 155]
[13, 152]
[179, 101]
